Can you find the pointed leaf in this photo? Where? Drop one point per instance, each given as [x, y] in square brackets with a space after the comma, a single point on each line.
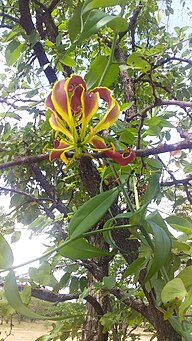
[136, 265]
[185, 305]
[81, 249]
[179, 329]
[91, 212]
[180, 224]
[91, 4]
[162, 249]
[74, 25]
[153, 188]
[96, 20]
[14, 299]
[186, 276]
[6, 254]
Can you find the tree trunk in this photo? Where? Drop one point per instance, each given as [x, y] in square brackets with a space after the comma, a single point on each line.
[92, 328]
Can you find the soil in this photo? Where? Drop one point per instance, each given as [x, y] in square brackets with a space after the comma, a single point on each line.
[31, 331]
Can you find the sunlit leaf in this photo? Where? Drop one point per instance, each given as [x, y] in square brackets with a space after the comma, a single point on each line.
[173, 290]
[180, 224]
[6, 254]
[138, 61]
[185, 305]
[14, 299]
[13, 51]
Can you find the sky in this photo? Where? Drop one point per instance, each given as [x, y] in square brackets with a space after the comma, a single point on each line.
[30, 247]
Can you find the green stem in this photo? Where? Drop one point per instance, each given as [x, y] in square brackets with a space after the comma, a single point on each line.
[136, 194]
[110, 60]
[65, 243]
[129, 203]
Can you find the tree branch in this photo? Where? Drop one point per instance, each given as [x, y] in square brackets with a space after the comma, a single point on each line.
[177, 182]
[158, 103]
[161, 148]
[27, 24]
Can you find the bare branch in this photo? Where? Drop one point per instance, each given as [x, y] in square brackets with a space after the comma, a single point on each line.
[4, 189]
[177, 182]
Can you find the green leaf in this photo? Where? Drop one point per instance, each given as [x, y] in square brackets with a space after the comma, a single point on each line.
[91, 212]
[96, 20]
[186, 276]
[137, 61]
[108, 236]
[180, 224]
[96, 70]
[34, 37]
[134, 267]
[154, 164]
[173, 290]
[15, 236]
[162, 248]
[125, 106]
[153, 188]
[13, 51]
[74, 25]
[74, 284]
[10, 115]
[26, 294]
[178, 328]
[185, 305]
[43, 275]
[67, 60]
[81, 249]
[109, 282]
[6, 254]
[91, 4]
[138, 216]
[14, 299]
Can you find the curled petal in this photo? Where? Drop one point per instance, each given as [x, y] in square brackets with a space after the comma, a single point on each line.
[76, 99]
[57, 124]
[59, 151]
[90, 103]
[60, 101]
[74, 81]
[113, 109]
[123, 159]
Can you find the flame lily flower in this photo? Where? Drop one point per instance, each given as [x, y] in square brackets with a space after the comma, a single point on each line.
[72, 111]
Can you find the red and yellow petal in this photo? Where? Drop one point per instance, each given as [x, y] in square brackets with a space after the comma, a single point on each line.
[123, 159]
[56, 123]
[76, 99]
[60, 147]
[90, 104]
[74, 81]
[60, 101]
[113, 109]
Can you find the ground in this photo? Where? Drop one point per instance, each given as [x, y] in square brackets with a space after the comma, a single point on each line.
[31, 331]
